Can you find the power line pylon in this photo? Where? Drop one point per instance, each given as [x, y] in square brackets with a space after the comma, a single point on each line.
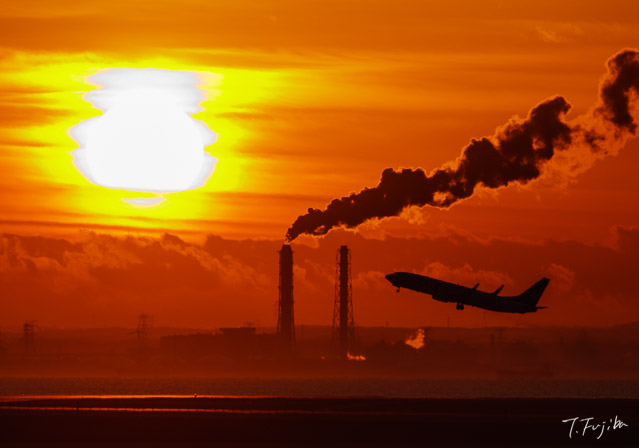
[29, 329]
[145, 322]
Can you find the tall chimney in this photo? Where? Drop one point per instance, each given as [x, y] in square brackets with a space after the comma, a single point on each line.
[285, 316]
[343, 324]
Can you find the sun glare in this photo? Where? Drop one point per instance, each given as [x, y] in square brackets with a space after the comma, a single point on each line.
[146, 139]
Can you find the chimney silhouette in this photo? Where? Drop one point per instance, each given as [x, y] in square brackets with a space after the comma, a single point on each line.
[343, 323]
[285, 316]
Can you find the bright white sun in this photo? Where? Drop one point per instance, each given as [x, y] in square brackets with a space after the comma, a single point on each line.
[146, 139]
[145, 146]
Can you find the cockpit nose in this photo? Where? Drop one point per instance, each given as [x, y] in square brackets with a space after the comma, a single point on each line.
[391, 277]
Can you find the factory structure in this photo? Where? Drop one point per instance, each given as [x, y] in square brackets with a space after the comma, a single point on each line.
[245, 343]
[343, 330]
[343, 323]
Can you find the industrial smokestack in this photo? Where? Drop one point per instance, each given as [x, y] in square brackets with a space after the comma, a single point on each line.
[517, 152]
[343, 323]
[285, 316]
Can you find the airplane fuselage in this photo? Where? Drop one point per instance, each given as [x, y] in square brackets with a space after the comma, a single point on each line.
[462, 295]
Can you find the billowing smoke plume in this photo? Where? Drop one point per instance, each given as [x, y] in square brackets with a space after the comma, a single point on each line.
[516, 152]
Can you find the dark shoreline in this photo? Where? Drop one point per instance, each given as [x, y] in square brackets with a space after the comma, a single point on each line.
[334, 422]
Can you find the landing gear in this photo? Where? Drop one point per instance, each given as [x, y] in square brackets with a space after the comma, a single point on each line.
[460, 306]
[397, 289]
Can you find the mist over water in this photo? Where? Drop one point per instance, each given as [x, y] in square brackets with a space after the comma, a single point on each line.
[324, 387]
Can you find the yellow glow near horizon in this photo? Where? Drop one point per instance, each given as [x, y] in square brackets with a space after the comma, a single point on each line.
[69, 90]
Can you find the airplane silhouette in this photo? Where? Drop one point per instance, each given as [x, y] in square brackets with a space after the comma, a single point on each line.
[442, 291]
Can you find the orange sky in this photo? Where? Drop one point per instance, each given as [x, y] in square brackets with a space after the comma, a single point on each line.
[310, 101]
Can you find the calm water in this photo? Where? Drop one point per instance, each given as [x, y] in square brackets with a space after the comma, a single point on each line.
[334, 387]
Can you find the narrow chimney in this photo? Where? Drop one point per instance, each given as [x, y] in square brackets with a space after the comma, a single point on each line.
[285, 315]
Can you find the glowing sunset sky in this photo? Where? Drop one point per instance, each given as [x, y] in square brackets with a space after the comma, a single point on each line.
[310, 101]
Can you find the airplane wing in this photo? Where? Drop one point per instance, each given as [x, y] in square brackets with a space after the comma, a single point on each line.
[452, 292]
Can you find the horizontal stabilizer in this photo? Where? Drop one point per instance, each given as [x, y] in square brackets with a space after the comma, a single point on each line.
[498, 290]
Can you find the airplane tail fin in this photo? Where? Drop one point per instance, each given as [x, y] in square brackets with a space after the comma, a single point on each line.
[532, 295]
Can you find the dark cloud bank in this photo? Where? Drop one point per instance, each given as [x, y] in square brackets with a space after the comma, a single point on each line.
[99, 280]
